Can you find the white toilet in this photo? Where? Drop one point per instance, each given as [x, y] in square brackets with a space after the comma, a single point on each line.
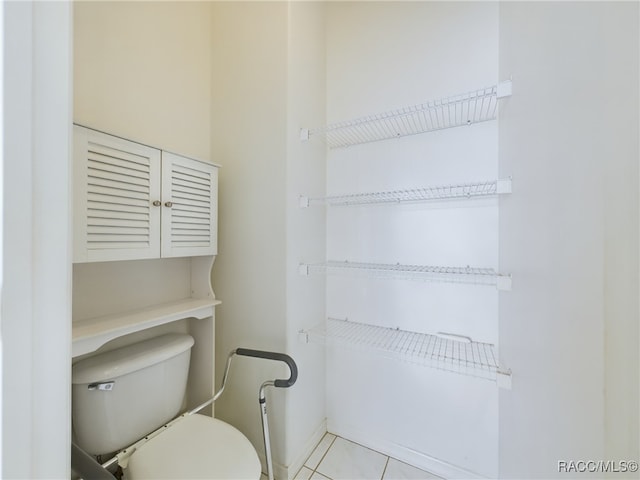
[122, 395]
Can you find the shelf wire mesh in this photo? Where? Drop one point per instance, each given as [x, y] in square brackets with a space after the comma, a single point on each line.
[468, 358]
[441, 192]
[455, 111]
[469, 275]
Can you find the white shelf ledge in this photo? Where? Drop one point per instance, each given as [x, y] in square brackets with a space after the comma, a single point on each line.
[92, 333]
[467, 275]
[447, 352]
[455, 111]
[425, 194]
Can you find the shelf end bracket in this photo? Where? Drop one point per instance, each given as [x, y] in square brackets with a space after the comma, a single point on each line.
[503, 282]
[503, 378]
[504, 186]
[304, 134]
[504, 89]
[303, 269]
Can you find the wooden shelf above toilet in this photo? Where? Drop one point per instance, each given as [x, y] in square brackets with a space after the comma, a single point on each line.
[91, 333]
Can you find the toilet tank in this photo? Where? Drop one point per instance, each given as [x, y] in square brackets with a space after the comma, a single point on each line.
[122, 395]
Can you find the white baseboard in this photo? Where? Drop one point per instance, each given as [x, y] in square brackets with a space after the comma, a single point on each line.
[307, 449]
[405, 454]
[284, 472]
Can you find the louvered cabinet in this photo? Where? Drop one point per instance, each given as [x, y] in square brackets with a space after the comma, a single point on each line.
[189, 210]
[134, 202]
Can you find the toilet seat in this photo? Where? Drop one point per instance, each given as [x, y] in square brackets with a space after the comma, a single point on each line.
[197, 447]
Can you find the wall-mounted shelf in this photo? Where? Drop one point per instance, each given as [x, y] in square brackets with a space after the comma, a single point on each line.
[468, 275]
[448, 352]
[455, 111]
[92, 333]
[425, 194]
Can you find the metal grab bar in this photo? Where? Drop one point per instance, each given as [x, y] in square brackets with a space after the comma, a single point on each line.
[279, 383]
[293, 376]
[246, 352]
[280, 357]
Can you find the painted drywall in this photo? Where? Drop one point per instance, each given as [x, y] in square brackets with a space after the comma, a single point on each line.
[306, 238]
[268, 83]
[36, 291]
[210, 80]
[248, 138]
[142, 70]
[380, 56]
[569, 235]
[621, 141]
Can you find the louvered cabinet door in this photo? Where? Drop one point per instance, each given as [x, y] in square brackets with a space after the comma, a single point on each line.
[115, 185]
[189, 207]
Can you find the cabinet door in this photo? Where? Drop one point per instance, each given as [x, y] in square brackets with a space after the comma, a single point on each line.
[190, 208]
[115, 185]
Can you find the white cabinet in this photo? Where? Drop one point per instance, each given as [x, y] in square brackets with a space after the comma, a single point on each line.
[189, 207]
[132, 201]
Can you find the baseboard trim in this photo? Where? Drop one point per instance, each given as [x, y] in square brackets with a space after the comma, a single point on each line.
[404, 454]
[307, 450]
[280, 471]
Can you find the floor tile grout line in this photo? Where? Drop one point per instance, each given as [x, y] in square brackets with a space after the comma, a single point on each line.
[325, 454]
[363, 446]
[333, 441]
[384, 470]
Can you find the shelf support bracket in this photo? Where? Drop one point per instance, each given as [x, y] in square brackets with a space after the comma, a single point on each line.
[303, 336]
[504, 186]
[503, 378]
[303, 201]
[504, 89]
[503, 282]
[303, 269]
[304, 134]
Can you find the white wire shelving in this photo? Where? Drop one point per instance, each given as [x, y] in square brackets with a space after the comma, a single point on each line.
[455, 111]
[443, 351]
[414, 195]
[466, 275]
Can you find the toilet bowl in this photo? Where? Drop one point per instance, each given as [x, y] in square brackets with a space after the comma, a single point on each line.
[123, 395]
[196, 447]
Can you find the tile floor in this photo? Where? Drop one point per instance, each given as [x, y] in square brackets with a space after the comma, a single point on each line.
[338, 459]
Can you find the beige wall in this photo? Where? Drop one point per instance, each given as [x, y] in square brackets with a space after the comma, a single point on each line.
[268, 73]
[213, 80]
[142, 70]
[249, 119]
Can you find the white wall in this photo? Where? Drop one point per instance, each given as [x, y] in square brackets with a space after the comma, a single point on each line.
[384, 55]
[248, 138]
[142, 70]
[268, 83]
[36, 294]
[569, 235]
[306, 239]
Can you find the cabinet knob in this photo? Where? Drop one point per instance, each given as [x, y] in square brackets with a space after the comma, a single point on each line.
[157, 203]
[168, 204]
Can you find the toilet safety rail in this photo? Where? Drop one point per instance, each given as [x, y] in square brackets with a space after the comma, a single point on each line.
[86, 467]
[123, 456]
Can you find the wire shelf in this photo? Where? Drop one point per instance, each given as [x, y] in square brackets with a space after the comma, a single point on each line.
[442, 192]
[467, 275]
[447, 352]
[455, 111]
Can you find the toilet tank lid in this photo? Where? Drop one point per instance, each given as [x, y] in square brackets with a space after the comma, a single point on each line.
[122, 361]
